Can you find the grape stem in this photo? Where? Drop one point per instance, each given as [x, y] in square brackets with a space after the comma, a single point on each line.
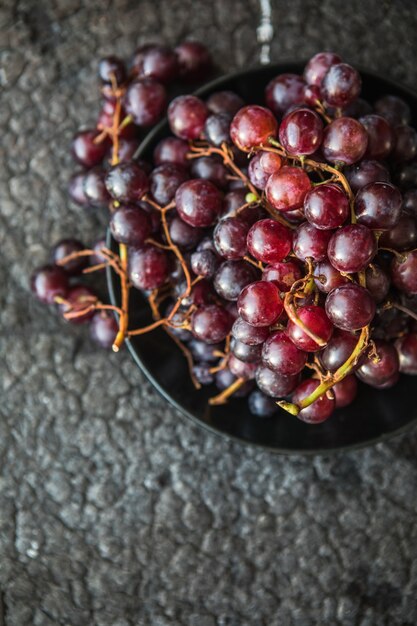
[343, 371]
[222, 397]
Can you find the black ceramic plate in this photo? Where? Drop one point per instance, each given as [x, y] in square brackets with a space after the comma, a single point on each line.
[374, 416]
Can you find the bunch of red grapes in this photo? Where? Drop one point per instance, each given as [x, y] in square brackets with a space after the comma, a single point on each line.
[275, 244]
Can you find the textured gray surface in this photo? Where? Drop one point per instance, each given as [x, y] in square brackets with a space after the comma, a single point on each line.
[113, 510]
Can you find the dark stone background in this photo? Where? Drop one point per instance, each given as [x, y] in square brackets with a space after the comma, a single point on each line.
[114, 511]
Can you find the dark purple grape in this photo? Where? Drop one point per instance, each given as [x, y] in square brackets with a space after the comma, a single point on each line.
[233, 201]
[344, 141]
[352, 248]
[350, 307]
[49, 282]
[410, 202]
[204, 352]
[194, 61]
[301, 132]
[318, 65]
[380, 136]
[281, 355]
[95, 189]
[78, 299]
[230, 238]
[338, 350]
[341, 85]
[406, 175]
[319, 410]
[183, 235]
[227, 102]
[198, 202]
[202, 374]
[283, 91]
[403, 236]
[257, 175]
[210, 168]
[126, 182]
[187, 116]
[130, 225]
[377, 282]
[111, 69]
[404, 272]
[165, 180]
[358, 108]
[148, 267]
[345, 391]
[242, 369]
[316, 320]
[310, 242]
[204, 263]
[283, 274]
[65, 247]
[127, 149]
[171, 150]
[394, 109]
[260, 304]
[104, 328]
[225, 378]
[158, 62]
[407, 353]
[327, 277]
[261, 405]
[211, 323]
[86, 150]
[252, 126]
[405, 148]
[366, 172]
[232, 277]
[273, 384]
[217, 128]
[247, 354]
[76, 189]
[376, 372]
[378, 206]
[248, 334]
[269, 241]
[145, 100]
[326, 206]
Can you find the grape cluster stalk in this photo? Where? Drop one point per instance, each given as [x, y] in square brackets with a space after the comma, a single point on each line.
[276, 245]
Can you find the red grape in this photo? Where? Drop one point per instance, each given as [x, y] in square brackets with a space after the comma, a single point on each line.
[310, 242]
[352, 248]
[283, 274]
[280, 354]
[273, 384]
[283, 91]
[316, 320]
[301, 132]
[407, 353]
[344, 141]
[326, 206]
[341, 85]
[287, 188]
[49, 282]
[211, 323]
[198, 202]
[145, 100]
[187, 116]
[404, 272]
[252, 126]
[345, 391]
[318, 65]
[269, 241]
[260, 304]
[148, 267]
[378, 205]
[350, 307]
[320, 410]
[380, 136]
